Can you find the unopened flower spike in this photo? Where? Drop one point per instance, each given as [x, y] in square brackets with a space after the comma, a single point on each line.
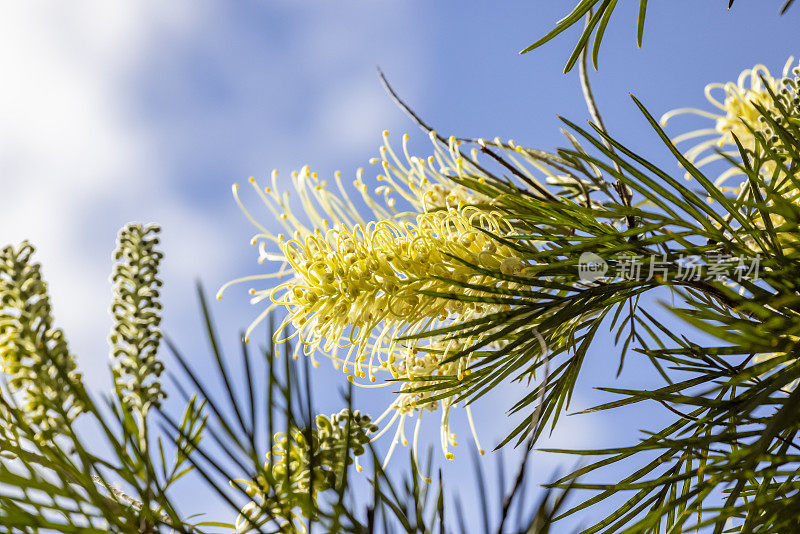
[136, 309]
[42, 372]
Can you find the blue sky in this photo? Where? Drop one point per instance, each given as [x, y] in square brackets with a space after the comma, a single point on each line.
[148, 111]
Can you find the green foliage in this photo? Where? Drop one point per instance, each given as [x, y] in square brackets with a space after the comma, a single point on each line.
[729, 460]
[598, 14]
[279, 496]
[53, 479]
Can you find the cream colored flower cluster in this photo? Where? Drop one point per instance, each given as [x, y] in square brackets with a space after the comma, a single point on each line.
[362, 285]
[738, 115]
[356, 290]
[285, 490]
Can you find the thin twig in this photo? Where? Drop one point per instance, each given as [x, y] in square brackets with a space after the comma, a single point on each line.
[406, 109]
[430, 131]
[623, 190]
[547, 195]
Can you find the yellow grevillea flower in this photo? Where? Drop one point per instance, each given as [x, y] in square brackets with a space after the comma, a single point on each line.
[736, 117]
[736, 105]
[358, 287]
[286, 490]
[786, 233]
[422, 369]
[352, 289]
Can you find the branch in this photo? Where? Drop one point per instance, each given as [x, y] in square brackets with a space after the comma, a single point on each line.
[624, 192]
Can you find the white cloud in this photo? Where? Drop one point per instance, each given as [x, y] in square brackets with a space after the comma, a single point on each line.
[79, 155]
[67, 146]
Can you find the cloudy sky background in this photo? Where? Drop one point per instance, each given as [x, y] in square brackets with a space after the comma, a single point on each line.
[147, 111]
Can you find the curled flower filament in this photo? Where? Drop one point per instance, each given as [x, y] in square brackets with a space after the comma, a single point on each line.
[738, 116]
[362, 293]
